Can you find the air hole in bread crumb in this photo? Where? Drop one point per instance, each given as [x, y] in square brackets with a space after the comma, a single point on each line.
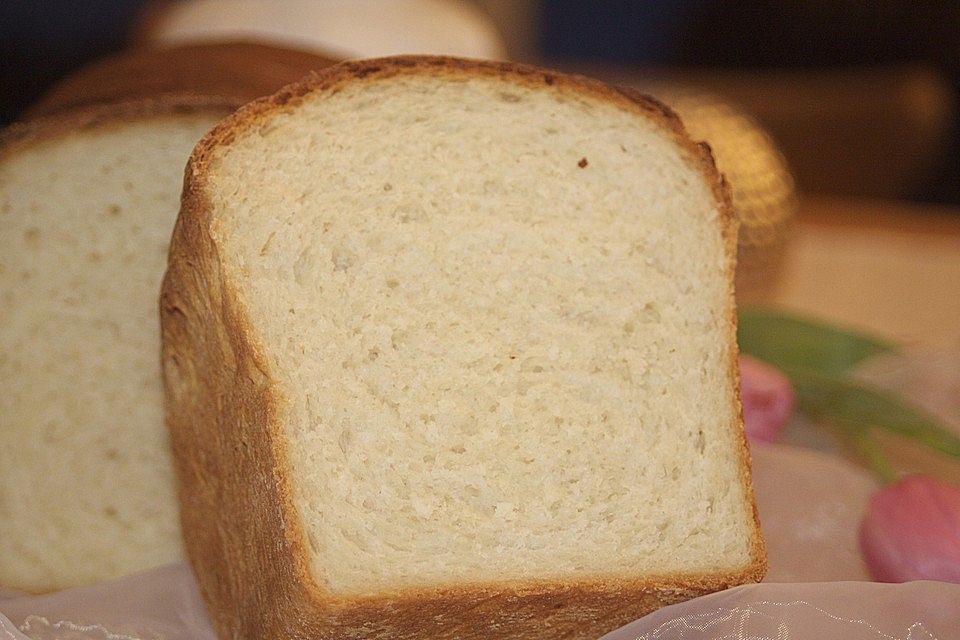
[509, 97]
[388, 187]
[650, 313]
[313, 542]
[393, 283]
[110, 512]
[701, 442]
[341, 258]
[266, 245]
[344, 440]
[373, 354]
[32, 236]
[583, 163]
[533, 364]
[267, 129]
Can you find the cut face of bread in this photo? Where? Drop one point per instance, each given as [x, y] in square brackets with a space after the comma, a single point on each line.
[87, 204]
[454, 339]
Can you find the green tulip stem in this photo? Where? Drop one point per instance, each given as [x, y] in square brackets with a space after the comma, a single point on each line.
[871, 454]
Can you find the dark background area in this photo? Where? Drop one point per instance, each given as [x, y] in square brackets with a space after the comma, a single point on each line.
[42, 41]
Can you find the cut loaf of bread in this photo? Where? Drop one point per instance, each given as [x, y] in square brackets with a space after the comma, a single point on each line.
[88, 199]
[87, 205]
[449, 352]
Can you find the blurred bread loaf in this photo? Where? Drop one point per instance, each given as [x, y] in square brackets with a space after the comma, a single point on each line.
[236, 71]
[449, 352]
[88, 198]
[354, 29]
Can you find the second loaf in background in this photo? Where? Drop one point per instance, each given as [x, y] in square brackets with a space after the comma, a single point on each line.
[88, 196]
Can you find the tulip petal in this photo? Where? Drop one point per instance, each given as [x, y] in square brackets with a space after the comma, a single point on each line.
[768, 399]
[911, 531]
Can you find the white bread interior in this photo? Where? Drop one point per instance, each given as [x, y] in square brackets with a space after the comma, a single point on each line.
[497, 321]
[86, 486]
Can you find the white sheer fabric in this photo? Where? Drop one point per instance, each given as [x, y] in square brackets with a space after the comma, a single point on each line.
[809, 611]
[159, 604]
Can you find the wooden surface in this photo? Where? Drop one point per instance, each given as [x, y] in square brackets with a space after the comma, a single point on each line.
[892, 269]
[887, 267]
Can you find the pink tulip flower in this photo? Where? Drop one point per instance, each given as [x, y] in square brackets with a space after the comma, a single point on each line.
[768, 399]
[911, 531]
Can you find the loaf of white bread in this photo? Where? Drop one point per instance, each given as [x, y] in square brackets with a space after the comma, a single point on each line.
[449, 352]
[88, 199]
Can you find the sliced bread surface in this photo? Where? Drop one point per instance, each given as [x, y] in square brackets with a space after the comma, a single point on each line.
[449, 352]
[87, 205]
[89, 191]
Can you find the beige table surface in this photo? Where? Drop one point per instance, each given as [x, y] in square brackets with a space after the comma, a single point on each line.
[890, 268]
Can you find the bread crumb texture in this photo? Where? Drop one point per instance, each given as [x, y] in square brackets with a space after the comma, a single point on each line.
[497, 361]
[86, 486]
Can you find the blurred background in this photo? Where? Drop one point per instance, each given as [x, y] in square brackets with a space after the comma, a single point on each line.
[860, 96]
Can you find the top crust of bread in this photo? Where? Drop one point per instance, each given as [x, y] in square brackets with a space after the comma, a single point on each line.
[237, 72]
[269, 591]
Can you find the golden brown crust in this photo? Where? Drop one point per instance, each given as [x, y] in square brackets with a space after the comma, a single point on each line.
[244, 537]
[235, 72]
